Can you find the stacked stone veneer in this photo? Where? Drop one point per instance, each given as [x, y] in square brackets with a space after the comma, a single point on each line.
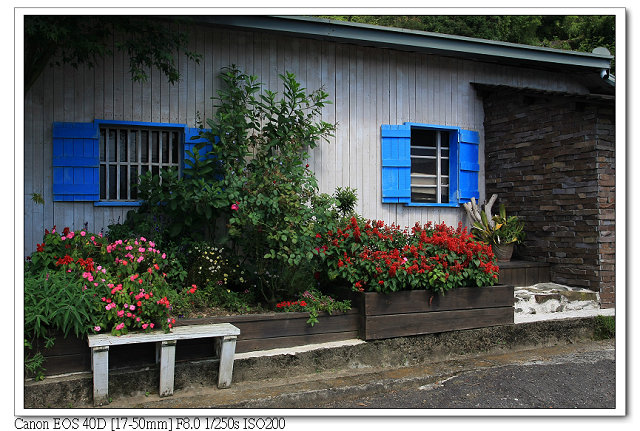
[551, 160]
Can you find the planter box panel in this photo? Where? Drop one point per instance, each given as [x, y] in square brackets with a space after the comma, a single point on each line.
[72, 363]
[244, 346]
[415, 301]
[260, 326]
[401, 325]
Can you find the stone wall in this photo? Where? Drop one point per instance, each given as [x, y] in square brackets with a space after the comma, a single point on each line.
[551, 160]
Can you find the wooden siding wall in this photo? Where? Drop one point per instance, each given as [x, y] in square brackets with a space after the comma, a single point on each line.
[368, 87]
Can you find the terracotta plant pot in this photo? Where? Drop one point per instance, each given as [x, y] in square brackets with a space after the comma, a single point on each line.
[503, 252]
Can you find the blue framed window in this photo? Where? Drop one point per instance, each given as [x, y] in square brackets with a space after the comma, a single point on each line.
[101, 161]
[429, 165]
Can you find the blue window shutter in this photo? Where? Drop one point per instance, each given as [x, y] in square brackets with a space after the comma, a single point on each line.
[191, 138]
[396, 163]
[453, 167]
[76, 164]
[469, 168]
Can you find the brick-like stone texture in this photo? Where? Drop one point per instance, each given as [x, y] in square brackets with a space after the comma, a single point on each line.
[551, 160]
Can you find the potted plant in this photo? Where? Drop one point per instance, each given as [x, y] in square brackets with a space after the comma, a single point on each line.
[500, 231]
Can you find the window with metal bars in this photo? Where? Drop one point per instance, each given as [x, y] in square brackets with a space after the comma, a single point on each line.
[429, 166]
[128, 152]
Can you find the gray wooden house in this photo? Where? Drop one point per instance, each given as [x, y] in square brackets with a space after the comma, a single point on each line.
[534, 125]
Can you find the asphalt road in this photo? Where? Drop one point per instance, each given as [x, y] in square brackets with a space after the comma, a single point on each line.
[584, 380]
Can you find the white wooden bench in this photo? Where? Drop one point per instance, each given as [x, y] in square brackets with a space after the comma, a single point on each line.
[224, 333]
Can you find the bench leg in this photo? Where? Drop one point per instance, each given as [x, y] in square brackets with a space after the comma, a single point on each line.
[227, 353]
[167, 367]
[100, 365]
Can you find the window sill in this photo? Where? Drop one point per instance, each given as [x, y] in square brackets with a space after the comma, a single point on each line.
[432, 205]
[117, 204]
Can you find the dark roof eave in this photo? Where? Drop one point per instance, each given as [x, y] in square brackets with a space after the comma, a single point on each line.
[432, 43]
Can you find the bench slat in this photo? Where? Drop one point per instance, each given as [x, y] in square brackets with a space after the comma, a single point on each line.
[177, 333]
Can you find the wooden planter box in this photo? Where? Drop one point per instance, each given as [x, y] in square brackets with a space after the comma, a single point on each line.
[415, 312]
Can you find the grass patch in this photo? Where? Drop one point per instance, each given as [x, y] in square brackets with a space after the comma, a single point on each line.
[605, 327]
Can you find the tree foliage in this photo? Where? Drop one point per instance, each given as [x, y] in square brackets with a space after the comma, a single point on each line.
[80, 40]
[578, 33]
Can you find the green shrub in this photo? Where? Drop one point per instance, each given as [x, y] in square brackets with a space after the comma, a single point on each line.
[605, 327]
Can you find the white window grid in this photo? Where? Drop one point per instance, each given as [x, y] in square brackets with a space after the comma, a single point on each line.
[128, 152]
[437, 179]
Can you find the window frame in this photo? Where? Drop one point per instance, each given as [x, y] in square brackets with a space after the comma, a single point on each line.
[442, 136]
[453, 164]
[138, 163]
[70, 138]
[462, 172]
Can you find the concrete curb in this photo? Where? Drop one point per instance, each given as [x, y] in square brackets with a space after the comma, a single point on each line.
[271, 371]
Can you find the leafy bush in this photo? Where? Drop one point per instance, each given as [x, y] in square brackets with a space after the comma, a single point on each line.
[273, 194]
[77, 282]
[381, 258]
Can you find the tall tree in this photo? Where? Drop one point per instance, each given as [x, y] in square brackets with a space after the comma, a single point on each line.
[79, 40]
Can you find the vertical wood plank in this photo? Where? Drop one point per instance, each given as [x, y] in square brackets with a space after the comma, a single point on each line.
[28, 166]
[164, 114]
[200, 77]
[183, 87]
[327, 174]
[342, 109]
[368, 153]
[47, 139]
[386, 211]
[351, 161]
[209, 75]
[312, 54]
[174, 90]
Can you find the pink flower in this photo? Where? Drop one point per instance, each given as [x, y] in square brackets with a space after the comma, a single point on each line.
[132, 307]
[63, 238]
[82, 233]
[120, 313]
[70, 235]
[234, 207]
[142, 239]
[120, 326]
[137, 319]
[145, 325]
[93, 238]
[152, 244]
[141, 249]
[151, 325]
[164, 255]
[96, 328]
